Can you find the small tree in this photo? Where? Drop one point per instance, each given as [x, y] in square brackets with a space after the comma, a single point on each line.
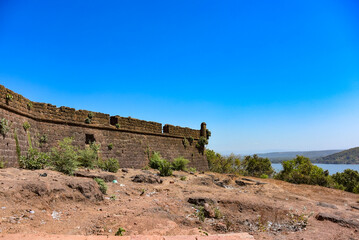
[257, 166]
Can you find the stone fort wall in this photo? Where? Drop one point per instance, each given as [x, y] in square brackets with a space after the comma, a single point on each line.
[131, 138]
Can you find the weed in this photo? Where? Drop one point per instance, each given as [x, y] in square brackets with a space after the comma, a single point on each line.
[88, 120]
[142, 191]
[101, 183]
[202, 142]
[43, 139]
[185, 142]
[200, 214]
[113, 197]
[90, 115]
[109, 165]
[165, 168]
[34, 159]
[190, 140]
[264, 176]
[183, 178]
[145, 167]
[64, 157]
[26, 125]
[155, 160]
[180, 164]
[2, 163]
[89, 156]
[217, 213]
[120, 231]
[110, 146]
[4, 127]
[29, 105]
[9, 98]
[18, 150]
[192, 169]
[117, 125]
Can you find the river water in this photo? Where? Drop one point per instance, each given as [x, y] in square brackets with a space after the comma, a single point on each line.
[332, 168]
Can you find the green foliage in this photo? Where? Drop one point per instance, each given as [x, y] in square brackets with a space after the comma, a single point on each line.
[190, 140]
[29, 139]
[88, 157]
[180, 164]
[183, 178]
[9, 98]
[208, 133]
[117, 125]
[90, 115]
[18, 150]
[256, 166]
[26, 125]
[221, 164]
[102, 185]
[264, 176]
[4, 127]
[155, 160]
[29, 105]
[2, 163]
[192, 169]
[185, 142]
[200, 214]
[165, 168]
[120, 232]
[43, 139]
[34, 159]
[347, 180]
[109, 165]
[301, 171]
[217, 213]
[202, 142]
[110, 146]
[64, 157]
[88, 120]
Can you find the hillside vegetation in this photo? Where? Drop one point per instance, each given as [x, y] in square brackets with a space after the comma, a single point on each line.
[350, 156]
[278, 157]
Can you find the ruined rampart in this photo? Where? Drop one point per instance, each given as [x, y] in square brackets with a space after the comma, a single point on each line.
[131, 139]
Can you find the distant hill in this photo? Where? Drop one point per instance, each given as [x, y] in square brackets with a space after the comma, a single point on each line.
[350, 156]
[277, 157]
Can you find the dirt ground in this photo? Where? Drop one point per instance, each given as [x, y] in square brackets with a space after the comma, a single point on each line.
[201, 204]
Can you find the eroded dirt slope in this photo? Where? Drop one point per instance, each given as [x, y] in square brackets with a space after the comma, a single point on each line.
[185, 204]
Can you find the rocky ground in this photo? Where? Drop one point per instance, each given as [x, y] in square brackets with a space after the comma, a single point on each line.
[141, 203]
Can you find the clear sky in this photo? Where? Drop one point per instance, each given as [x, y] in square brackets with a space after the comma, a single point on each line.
[271, 75]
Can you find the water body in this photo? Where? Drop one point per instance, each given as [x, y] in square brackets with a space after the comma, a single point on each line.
[332, 168]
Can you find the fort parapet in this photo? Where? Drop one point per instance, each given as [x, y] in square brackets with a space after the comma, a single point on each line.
[131, 138]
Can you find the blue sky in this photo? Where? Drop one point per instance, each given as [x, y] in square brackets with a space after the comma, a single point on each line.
[264, 75]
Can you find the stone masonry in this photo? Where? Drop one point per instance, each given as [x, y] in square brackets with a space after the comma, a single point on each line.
[131, 138]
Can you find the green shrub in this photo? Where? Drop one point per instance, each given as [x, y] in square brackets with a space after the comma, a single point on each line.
[256, 166]
[202, 142]
[264, 176]
[208, 133]
[183, 178]
[180, 164]
[301, 171]
[117, 125]
[43, 139]
[120, 231]
[64, 157]
[155, 160]
[26, 125]
[347, 180]
[29, 105]
[2, 163]
[185, 142]
[110, 165]
[90, 115]
[9, 98]
[165, 168]
[34, 159]
[110, 146]
[4, 127]
[102, 185]
[221, 164]
[88, 157]
[192, 169]
[88, 120]
[217, 213]
[190, 140]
